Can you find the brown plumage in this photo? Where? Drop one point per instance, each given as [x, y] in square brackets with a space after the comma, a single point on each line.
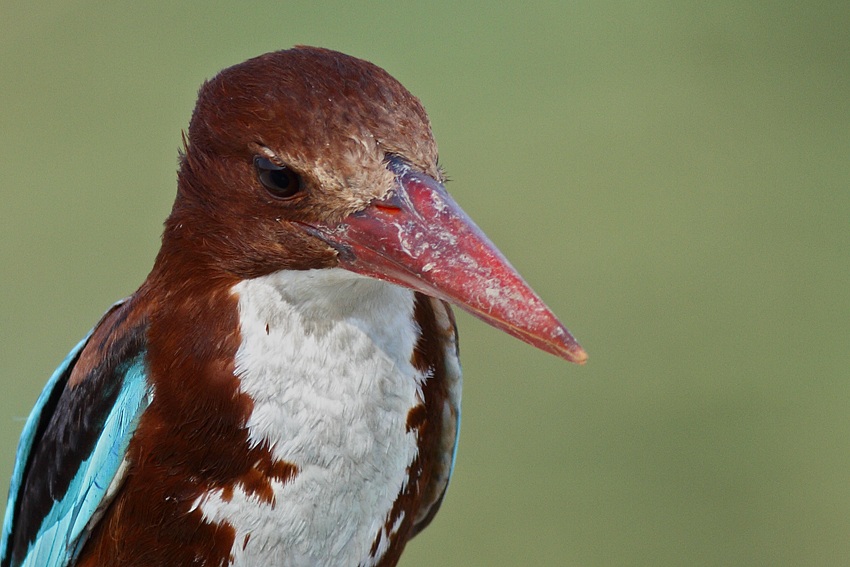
[297, 160]
[334, 126]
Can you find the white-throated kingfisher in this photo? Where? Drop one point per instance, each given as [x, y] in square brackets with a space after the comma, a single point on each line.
[284, 388]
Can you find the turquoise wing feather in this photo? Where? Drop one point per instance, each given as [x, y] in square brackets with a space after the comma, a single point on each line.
[56, 538]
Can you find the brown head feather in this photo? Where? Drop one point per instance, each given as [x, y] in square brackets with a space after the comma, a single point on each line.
[331, 118]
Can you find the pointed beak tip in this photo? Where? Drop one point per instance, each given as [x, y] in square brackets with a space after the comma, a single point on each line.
[568, 350]
[578, 356]
[561, 343]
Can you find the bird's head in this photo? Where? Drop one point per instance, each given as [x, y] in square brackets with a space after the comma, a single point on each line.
[311, 159]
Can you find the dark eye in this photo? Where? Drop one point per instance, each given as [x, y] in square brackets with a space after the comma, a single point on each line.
[279, 180]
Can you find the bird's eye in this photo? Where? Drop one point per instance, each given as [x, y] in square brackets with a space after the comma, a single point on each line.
[279, 180]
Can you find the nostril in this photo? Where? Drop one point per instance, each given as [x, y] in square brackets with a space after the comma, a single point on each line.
[391, 203]
[387, 207]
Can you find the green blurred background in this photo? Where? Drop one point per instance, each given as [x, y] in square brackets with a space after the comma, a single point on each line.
[672, 177]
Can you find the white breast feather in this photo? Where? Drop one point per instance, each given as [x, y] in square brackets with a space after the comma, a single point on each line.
[325, 355]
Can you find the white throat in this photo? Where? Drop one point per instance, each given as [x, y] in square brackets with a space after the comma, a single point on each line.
[326, 357]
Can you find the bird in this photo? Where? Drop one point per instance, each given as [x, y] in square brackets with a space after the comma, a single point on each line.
[284, 388]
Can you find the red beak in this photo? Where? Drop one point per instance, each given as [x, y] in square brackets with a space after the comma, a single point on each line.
[419, 238]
